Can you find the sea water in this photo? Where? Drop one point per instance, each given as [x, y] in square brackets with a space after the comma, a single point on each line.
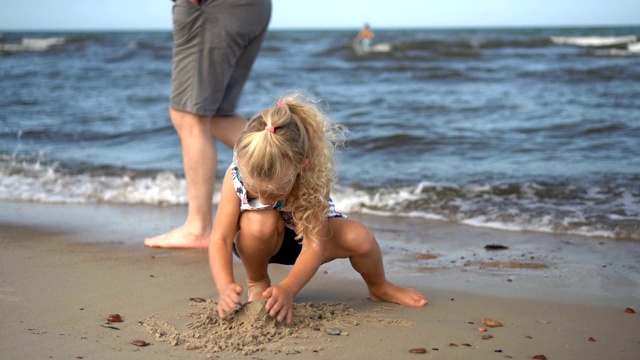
[534, 129]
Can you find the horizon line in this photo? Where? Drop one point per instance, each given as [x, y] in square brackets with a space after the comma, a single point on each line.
[338, 28]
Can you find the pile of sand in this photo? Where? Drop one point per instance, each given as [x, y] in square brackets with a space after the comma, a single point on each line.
[250, 329]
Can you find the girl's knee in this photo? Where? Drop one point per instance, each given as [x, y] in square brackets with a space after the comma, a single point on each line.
[260, 235]
[368, 243]
[261, 224]
[361, 240]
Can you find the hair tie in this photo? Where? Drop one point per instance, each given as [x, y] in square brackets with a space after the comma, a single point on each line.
[280, 103]
[270, 128]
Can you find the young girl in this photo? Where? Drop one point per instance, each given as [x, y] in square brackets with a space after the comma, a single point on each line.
[275, 208]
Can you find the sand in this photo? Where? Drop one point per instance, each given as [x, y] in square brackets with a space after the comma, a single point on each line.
[65, 268]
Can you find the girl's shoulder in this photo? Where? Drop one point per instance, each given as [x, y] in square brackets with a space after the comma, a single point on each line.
[238, 183]
[235, 172]
[332, 211]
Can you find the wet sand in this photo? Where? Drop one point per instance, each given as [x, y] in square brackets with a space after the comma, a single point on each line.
[64, 269]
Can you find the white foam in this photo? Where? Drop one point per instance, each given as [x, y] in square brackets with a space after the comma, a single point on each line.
[382, 47]
[613, 52]
[33, 44]
[480, 206]
[45, 183]
[634, 47]
[593, 41]
[513, 207]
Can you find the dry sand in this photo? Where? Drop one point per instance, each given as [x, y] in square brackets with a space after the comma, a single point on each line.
[65, 269]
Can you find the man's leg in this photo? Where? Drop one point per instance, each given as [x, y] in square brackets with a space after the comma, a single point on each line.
[200, 160]
[227, 128]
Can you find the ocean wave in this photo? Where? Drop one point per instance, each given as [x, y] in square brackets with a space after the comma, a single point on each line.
[633, 49]
[610, 208]
[594, 73]
[594, 41]
[472, 43]
[32, 44]
[45, 182]
[420, 51]
[560, 208]
[535, 42]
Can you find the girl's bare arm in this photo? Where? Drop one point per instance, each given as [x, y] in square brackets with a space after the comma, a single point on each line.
[223, 234]
[280, 297]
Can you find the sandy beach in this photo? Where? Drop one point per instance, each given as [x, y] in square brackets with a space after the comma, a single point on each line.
[65, 268]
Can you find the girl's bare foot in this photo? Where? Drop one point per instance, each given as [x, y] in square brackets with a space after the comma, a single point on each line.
[256, 288]
[399, 295]
[178, 238]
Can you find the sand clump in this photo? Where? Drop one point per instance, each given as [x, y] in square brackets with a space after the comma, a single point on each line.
[250, 329]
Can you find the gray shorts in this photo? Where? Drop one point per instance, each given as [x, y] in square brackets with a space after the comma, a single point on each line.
[214, 47]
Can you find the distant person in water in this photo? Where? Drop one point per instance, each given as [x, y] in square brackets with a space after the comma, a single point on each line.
[275, 207]
[365, 37]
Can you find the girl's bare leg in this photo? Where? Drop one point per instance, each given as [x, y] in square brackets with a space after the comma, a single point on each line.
[260, 237]
[350, 239]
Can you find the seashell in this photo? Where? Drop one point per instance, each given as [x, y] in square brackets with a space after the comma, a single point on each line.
[592, 339]
[333, 331]
[138, 342]
[491, 322]
[482, 329]
[418, 351]
[487, 337]
[114, 318]
[540, 357]
[629, 311]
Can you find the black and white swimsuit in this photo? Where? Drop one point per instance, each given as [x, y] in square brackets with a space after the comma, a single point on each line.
[254, 204]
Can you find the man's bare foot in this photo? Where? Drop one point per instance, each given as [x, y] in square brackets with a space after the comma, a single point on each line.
[178, 238]
[256, 288]
[399, 295]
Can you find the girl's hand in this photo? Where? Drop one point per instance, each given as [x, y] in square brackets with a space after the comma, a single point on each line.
[279, 302]
[228, 299]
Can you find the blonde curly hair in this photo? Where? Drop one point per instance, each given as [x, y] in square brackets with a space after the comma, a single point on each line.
[294, 138]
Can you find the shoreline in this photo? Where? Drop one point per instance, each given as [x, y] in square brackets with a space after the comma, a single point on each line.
[61, 279]
[542, 266]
